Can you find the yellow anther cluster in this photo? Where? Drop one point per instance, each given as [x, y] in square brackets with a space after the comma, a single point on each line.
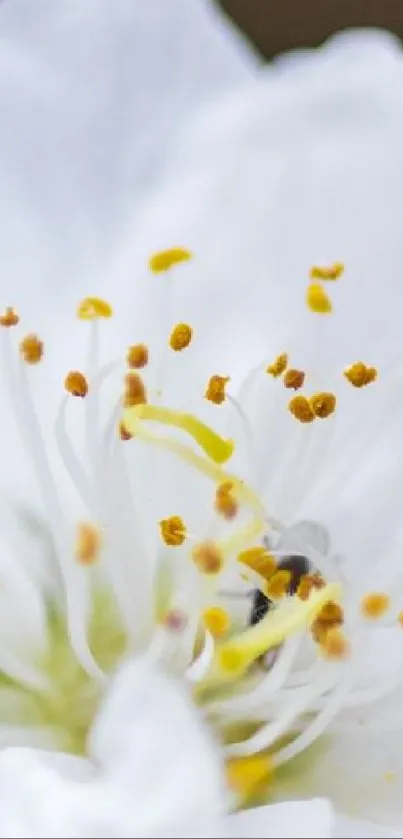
[332, 272]
[245, 775]
[359, 374]
[279, 584]
[279, 365]
[31, 349]
[375, 605]
[88, 543]
[259, 559]
[217, 621]
[173, 531]
[215, 390]
[323, 404]
[9, 317]
[137, 356]
[208, 558]
[135, 391]
[180, 337]
[76, 383]
[164, 260]
[92, 308]
[301, 409]
[226, 504]
[317, 300]
[293, 379]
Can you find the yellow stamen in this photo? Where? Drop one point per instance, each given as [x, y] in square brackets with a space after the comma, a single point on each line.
[217, 621]
[234, 657]
[294, 379]
[323, 404]
[76, 383]
[279, 584]
[123, 433]
[317, 300]
[180, 337]
[9, 317]
[258, 559]
[333, 272]
[164, 260]
[88, 543]
[245, 774]
[137, 356]
[31, 349]
[135, 391]
[308, 583]
[359, 374]
[208, 558]
[301, 409]
[173, 531]
[225, 504]
[92, 308]
[374, 605]
[278, 366]
[215, 390]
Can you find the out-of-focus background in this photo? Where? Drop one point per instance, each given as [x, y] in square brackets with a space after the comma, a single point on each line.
[277, 25]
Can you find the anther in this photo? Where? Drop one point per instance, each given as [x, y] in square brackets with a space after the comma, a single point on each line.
[259, 559]
[164, 260]
[215, 390]
[137, 356]
[124, 434]
[216, 620]
[279, 365]
[332, 272]
[76, 383]
[173, 531]
[88, 543]
[31, 349]
[245, 775]
[301, 409]
[359, 375]
[9, 317]
[135, 391]
[180, 337]
[294, 379]
[374, 605]
[279, 584]
[335, 644]
[323, 404]
[92, 308]
[208, 558]
[317, 300]
[225, 503]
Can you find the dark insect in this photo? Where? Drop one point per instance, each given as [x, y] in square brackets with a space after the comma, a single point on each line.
[298, 566]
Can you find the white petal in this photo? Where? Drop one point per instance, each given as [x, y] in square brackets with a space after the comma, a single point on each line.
[349, 828]
[293, 819]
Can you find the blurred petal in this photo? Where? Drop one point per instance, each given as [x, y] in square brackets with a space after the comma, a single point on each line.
[294, 820]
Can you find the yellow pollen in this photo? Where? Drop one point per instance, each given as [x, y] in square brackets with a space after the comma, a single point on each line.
[208, 558]
[217, 621]
[332, 272]
[279, 584]
[294, 379]
[76, 383]
[301, 409]
[292, 615]
[317, 300]
[259, 560]
[123, 433]
[359, 374]
[173, 531]
[9, 317]
[137, 356]
[335, 644]
[225, 503]
[164, 260]
[329, 617]
[323, 404]
[92, 308]
[31, 349]
[88, 543]
[180, 337]
[215, 390]
[135, 392]
[245, 774]
[375, 605]
[279, 365]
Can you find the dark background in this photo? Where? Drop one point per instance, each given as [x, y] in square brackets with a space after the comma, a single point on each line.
[277, 25]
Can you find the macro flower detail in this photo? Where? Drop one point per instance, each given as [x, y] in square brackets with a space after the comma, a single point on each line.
[192, 559]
